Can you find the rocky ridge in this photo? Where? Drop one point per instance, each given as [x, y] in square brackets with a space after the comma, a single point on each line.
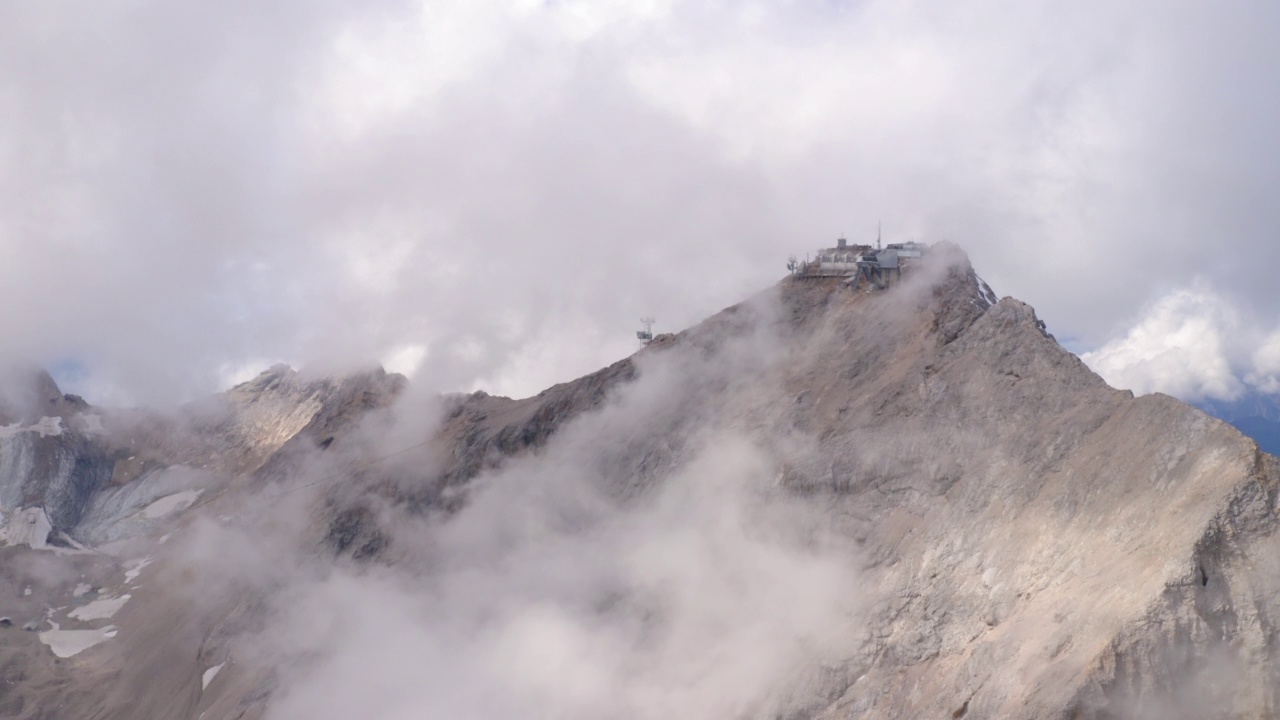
[1039, 544]
[1031, 542]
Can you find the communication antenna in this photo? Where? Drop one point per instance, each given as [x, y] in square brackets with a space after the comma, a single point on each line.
[877, 234]
[645, 336]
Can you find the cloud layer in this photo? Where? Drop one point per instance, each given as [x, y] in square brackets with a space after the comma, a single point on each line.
[1196, 343]
[1183, 346]
[491, 193]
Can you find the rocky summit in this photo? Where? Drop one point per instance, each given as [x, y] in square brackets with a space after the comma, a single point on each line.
[828, 501]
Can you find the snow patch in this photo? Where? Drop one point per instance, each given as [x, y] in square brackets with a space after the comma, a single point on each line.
[81, 589]
[27, 526]
[100, 609]
[985, 290]
[135, 569]
[171, 503]
[65, 643]
[46, 427]
[209, 675]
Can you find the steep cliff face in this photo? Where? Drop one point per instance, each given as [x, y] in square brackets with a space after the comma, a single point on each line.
[1041, 545]
[945, 515]
[50, 462]
[60, 473]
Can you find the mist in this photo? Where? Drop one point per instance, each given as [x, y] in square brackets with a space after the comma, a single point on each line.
[645, 563]
[701, 604]
[490, 194]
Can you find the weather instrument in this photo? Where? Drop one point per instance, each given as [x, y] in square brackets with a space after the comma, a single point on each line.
[645, 336]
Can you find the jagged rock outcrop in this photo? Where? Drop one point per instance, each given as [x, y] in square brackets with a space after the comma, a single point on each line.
[50, 463]
[60, 473]
[259, 429]
[240, 431]
[322, 410]
[89, 473]
[479, 431]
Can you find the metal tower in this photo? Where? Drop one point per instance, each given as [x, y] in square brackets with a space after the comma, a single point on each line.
[645, 336]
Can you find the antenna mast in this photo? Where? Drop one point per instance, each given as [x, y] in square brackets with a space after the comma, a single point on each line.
[645, 336]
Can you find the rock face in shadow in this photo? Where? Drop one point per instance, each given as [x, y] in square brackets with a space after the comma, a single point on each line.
[49, 459]
[60, 473]
[91, 471]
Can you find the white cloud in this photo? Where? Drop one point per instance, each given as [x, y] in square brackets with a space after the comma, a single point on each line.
[406, 360]
[188, 190]
[1180, 347]
[555, 355]
[230, 375]
[1265, 374]
[1195, 343]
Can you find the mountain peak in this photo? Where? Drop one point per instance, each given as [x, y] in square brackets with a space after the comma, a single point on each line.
[28, 394]
[913, 458]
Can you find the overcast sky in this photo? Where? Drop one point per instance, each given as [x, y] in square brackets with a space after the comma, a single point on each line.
[490, 194]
